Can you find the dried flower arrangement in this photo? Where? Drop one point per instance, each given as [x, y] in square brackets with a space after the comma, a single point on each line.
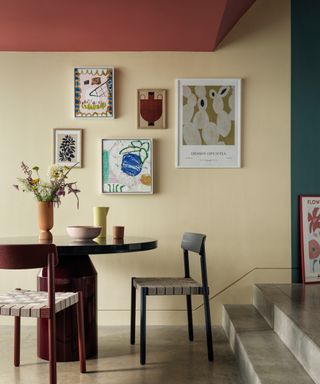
[51, 190]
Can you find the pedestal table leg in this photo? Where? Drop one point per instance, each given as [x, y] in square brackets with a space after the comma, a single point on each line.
[73, 273]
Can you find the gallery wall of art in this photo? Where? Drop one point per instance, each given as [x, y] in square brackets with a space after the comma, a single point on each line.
[245, 211]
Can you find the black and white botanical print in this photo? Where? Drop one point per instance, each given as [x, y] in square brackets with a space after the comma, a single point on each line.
[67, 149]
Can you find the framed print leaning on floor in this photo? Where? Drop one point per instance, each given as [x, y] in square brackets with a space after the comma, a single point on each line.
[208, 123]
[310, 238]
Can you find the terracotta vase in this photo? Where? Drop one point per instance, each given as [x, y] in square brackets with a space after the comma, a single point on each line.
[45, 219]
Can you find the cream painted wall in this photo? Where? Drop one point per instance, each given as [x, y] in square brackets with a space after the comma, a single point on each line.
[244, 212]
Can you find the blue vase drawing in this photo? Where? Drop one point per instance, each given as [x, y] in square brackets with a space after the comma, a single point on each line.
[131, 164]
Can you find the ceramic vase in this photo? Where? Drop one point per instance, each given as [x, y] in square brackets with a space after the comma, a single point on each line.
[151, 109]
[45, 220]
[100, 220]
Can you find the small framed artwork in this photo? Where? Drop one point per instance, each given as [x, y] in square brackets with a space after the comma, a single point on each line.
[151, 108]
[208, 123]
[67, 146]
[94, 92]
[310, 238]
[127, 166]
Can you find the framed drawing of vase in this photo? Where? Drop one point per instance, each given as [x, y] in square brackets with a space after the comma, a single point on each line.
[151, 108]
[208, 123]
[127, 166]
[310, 238]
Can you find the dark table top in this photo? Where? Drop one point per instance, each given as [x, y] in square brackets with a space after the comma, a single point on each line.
[66, 246]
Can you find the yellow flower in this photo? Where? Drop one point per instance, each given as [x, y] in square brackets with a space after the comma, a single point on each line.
[55, 171]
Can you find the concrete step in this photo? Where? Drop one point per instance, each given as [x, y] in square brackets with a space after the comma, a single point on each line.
[261, 355]
[293, 312]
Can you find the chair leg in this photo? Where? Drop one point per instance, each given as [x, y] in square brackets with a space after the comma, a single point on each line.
[189, 312]
[143, 326]
[208, 325]
[52, 351]
[81, 339]
[16, 353]
[133, 313]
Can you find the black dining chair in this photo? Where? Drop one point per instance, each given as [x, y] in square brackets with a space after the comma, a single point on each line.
[163, 286]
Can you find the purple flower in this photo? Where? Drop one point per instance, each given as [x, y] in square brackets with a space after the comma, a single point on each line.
[60, 192]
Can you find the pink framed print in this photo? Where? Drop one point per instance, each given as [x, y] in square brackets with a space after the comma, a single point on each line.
[310, 238]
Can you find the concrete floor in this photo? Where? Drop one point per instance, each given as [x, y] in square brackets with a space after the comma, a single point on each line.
[171, 358]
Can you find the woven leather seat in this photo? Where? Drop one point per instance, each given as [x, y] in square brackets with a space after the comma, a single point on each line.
[26, 303]
[168, 285]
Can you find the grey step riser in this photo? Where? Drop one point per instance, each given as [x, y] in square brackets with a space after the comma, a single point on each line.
[300, 345]
[262, 357]
[246, 369]
[263, 305]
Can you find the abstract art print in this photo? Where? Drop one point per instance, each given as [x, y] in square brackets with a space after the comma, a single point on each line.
[67, 146]
[127, 166]
[208, 123]
[151, 108]
[310, 238]
[94, 92]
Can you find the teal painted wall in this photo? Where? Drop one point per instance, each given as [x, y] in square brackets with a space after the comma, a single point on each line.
[305, 112]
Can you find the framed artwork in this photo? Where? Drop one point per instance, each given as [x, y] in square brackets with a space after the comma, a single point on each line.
[151, 108]
[67, 146]
[94, 92]
[310, 238]
[208, 123]
[127, 166]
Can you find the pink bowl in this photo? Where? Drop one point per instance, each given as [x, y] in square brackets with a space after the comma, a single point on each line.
[83, 232]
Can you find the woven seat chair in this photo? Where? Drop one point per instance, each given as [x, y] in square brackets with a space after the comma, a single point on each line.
[24, 303]
[160, 286]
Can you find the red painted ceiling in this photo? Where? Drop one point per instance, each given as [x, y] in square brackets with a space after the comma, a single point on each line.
[117, 25]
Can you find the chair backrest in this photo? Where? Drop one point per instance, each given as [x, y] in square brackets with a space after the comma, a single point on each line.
[193, 242]
[33, 256]
[27, 256]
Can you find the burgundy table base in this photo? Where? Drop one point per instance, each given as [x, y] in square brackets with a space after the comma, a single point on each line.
[72, 274]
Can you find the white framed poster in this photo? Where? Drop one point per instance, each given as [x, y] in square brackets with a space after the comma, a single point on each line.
[208, 123]
[127, 166]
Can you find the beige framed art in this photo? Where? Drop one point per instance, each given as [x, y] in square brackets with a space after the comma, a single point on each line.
[151, 108]
[208, 123]
[67, 146]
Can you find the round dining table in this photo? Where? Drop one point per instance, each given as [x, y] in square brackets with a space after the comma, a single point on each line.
[75, 272]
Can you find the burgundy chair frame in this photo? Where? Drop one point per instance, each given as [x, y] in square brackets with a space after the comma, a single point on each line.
[40, 256]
